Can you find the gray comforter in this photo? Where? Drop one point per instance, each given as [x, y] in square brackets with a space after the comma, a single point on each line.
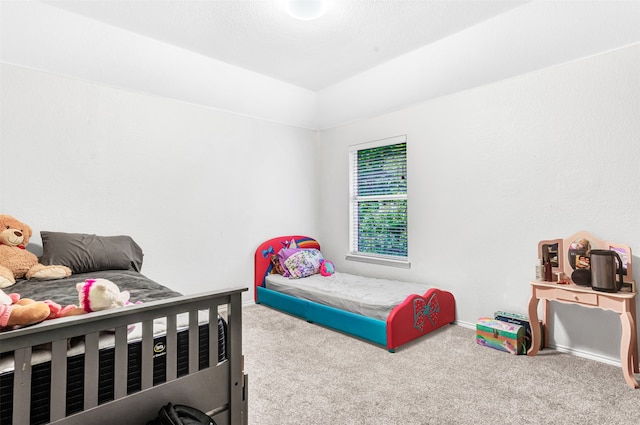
[63, 291]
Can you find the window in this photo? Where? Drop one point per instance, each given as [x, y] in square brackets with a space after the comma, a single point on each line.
[378, 202]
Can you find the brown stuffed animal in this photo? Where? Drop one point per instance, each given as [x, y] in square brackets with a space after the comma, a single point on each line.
[15, 311]
[15, 261]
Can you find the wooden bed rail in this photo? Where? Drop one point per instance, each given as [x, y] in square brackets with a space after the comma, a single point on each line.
[220, 388]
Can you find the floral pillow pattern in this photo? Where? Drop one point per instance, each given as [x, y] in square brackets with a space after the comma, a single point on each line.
[304, 263]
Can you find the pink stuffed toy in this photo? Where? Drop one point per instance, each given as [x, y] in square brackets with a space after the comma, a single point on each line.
[327, 268]
[97, 295]
[16, 311]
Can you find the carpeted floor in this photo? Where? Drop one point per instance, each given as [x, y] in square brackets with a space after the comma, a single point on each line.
[301, 373]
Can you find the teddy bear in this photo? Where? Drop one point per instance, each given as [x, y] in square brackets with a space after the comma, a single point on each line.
[96, 295]
[17, 311]
[15, 261]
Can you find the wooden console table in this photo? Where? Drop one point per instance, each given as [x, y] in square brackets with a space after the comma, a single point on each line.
[623, 303]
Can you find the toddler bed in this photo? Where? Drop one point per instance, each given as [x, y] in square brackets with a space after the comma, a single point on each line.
[126, 362]
[385, 312]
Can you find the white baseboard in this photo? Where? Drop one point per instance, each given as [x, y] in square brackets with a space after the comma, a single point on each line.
[562, 349]
[587, 355]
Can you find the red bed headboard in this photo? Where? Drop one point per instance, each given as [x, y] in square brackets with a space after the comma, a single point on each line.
[262, 260]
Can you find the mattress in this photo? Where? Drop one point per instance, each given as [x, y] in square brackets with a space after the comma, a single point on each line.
[107, 340]
[41, 385]
[367, 296]
[63, 292]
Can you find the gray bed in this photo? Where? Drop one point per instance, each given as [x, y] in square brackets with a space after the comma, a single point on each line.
[371, 297]
[126, 362]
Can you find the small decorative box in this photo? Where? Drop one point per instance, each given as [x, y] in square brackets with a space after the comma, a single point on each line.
[500, 335]
[522, 320]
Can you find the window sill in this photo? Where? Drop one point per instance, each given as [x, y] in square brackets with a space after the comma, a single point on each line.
[405, 264]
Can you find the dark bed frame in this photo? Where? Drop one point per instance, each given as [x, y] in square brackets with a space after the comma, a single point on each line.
[220, 389]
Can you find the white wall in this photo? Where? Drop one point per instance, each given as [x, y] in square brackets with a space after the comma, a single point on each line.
[197, 188]
[495, 169]
[105, 131]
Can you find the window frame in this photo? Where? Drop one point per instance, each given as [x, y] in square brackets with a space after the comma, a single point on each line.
[354, 254]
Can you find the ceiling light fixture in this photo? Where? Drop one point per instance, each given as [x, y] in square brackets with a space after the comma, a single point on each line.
[306, 9]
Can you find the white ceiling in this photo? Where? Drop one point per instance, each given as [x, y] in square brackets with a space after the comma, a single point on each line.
[362, 59]
[258, 35]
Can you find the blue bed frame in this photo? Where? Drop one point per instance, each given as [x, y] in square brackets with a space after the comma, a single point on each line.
[416, 316]
[373, 330]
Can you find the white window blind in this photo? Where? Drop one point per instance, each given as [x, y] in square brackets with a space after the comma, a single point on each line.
[378, 202]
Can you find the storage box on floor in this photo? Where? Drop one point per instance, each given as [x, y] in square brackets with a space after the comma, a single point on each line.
[522, 320]
[500, 335]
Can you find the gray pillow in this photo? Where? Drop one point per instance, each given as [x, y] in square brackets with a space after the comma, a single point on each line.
[84, 253]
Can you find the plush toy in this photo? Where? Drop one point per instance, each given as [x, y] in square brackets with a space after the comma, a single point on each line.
[16, 311]
[327, 268]
[15, 261]
[97, 295]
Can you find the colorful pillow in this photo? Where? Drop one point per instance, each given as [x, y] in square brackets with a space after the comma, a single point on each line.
[303, 263]
[283, 255]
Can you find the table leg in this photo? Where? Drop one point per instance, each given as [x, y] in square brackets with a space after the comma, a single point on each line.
[534, 323]
[634, 336]
[545, 322]
[626, 358]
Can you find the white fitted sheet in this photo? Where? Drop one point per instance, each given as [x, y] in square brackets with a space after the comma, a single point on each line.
[371, 297]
